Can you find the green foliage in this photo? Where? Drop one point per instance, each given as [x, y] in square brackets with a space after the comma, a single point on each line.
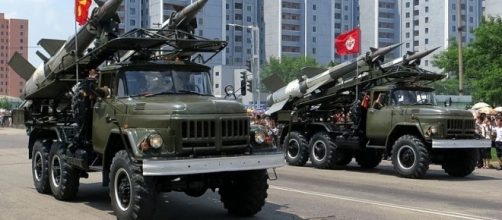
[287, 68]
[4, 103]
[482, 62]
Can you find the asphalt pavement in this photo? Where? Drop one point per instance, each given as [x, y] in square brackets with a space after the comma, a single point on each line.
[299, 193]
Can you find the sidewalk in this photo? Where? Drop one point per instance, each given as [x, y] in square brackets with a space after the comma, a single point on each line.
[12, 131]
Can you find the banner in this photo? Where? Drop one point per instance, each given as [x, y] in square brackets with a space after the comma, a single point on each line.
[82, 11]
[348, 42]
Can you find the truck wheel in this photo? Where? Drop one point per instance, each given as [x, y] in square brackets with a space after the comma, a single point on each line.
[296, 147]
[322, 151]
[342, 157]
[64, 179]
[460, 162]
[410, 157]
[369, 158]
[40, 166]
[132, 194]
[245, 193]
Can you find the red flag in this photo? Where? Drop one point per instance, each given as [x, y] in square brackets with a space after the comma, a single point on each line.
[348, 42]
[82, 11]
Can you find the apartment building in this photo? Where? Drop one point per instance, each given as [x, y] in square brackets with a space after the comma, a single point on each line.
[13, 38]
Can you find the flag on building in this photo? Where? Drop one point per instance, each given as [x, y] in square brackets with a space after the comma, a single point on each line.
[82, 11]
[348, 42]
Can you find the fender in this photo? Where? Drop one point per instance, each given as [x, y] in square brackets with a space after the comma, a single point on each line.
[402, 128]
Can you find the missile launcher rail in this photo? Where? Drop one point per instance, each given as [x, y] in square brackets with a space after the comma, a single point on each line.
[145, 43]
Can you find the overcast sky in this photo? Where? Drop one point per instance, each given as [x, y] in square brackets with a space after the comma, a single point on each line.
[46, 18]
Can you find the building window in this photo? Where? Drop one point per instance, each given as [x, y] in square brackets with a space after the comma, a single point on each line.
[426, 40]
[216, 85]
[314, 50]
[217, 73]
[238, 5]
[314, 7]
[132, 22]
[21, 33]
[407, 24]
[22, 26]
[314, 29]
[407, 34]
[426, 9]
[249, 7]
[453, 18]
[132, 11]
[238, 17]
[453, 28]
[426, 19]
[426, 30]
[426, 62]
[238, 38]
[314, 39]
[248, 19]
[471, 19]
[407, 4]
[416, 43]
[314, 18]
[407, 14]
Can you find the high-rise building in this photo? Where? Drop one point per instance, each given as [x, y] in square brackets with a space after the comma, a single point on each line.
[130, 13]
[492, 8]
[302, 28]
[13, 38]
[380, 25]
[426, 24]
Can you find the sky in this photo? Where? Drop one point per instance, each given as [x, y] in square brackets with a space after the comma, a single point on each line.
[52, 19]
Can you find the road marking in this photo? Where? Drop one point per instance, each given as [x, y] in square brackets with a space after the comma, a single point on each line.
[377, 203]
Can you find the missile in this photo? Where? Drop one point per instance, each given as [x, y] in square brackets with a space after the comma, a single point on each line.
[43, 82]
[298, 88]
[411, 58]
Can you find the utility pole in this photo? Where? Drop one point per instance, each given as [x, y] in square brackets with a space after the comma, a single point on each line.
[460, 29]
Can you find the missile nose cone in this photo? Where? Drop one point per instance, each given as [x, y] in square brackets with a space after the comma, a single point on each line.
[419, 55]
[382, 51]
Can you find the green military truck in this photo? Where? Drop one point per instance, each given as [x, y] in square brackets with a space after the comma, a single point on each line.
[148, 121]
[328, 125]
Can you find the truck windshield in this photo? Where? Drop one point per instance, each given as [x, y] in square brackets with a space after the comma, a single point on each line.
[150, 83]
[412, 97]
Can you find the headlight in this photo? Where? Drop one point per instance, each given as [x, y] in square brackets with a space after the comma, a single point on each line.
[155, 140]
[259, 137]
[434, 130]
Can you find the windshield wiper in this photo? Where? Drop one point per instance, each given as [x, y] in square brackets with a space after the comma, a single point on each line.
[190, 92]
[159, 93]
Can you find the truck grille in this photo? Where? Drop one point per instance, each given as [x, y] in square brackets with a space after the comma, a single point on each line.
[460, 127]
[206, 133]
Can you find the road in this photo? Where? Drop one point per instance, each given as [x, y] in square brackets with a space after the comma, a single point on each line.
[299, 193]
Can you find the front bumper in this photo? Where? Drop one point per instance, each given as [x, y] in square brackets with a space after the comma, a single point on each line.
[460, 143]
[156, 167]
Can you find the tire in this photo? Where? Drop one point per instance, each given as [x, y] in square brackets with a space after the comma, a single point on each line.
[460, 162]
[369, 158]
[40, 166]
[322, 151]
[244, 194]
[296, 147]
[132, 194]
[410, 157]
[63, 179]
[343, 157]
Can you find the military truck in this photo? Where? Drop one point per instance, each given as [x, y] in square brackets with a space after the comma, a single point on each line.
[323, 119]
[148, 122]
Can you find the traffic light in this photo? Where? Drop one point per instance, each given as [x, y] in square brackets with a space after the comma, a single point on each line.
[249, 86]
[248, 65]
[243, 83]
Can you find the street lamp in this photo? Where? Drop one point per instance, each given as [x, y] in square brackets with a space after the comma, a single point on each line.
[255, 59]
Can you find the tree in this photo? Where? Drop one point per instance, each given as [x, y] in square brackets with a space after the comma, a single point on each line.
[482, 62]
[4, 104]
[287, 67]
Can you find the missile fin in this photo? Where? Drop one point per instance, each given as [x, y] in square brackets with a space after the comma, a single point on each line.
[314, 88]
[373, 49]
[42, 56]
[51, 45]
[178, 8]
[21, 66]
[273, 82]
[276, 107]
[310, 71]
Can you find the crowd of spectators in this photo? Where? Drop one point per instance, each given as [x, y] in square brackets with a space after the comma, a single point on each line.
[259, 118]
[5, 118]
[490, 127]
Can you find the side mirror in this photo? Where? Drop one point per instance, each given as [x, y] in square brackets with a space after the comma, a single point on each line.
[229, 91]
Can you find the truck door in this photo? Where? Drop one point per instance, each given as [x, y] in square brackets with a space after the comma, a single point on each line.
[379, 118]
[101, 110]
